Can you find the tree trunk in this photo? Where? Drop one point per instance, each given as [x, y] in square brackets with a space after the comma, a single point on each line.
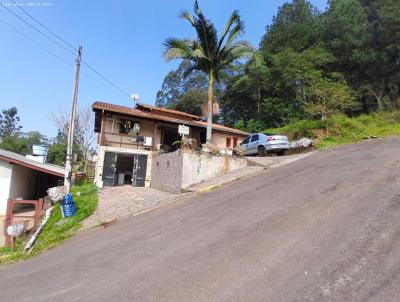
[85, 161]
[210, 106]
[380, 103]
[259, 102]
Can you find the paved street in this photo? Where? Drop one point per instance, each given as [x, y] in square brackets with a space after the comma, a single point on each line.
[323, 228]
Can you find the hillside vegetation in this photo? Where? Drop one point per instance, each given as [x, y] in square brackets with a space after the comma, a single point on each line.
[343, 129]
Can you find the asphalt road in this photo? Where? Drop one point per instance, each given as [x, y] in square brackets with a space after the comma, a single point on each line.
[324, 228]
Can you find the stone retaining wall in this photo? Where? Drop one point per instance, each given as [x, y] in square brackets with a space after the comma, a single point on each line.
[175, 171]
[197, 168]
[166, 172]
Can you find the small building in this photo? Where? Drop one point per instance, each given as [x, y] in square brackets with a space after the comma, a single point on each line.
[24, 178]
[127, 137]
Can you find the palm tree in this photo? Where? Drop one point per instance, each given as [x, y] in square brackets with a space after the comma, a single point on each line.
[208, 53]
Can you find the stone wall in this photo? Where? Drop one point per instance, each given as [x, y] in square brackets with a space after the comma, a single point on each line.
[166, 172]
[199, 167]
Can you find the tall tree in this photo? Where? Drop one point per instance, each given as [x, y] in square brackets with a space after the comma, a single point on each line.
[176, 83]
[382, 51]
[207, 52]
[191, 101]
[9, 122]
[297, 25]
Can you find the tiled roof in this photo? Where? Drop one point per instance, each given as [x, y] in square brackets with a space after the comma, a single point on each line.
[168, 110]
[153, 116]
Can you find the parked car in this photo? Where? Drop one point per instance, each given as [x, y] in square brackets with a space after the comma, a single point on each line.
[260, 143]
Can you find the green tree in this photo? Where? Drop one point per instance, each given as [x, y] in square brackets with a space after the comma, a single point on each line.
[323, 97]
[16, 144]
[191, 101]
[176, 83]
[22, 143]
[256, 78]
[345, 34]
[297, 25]
[207, 52]
[57, 151]
[381, 66]
[9, 122]
[266, 90]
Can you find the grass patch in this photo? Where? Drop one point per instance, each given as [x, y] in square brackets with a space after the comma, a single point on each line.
[300, 129]
[53, 235]
[343, 129]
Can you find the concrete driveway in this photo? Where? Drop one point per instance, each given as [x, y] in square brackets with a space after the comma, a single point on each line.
[324, 228]
[121, 202]
[277, 161]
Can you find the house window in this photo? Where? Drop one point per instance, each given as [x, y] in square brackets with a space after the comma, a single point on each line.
[228, 142]
[129, 127]
[235, 140]
[125, 126]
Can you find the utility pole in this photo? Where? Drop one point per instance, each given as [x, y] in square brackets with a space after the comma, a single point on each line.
[71, 130]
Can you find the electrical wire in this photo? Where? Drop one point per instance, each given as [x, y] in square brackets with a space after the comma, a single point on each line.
[44, 26]
[36, 29]
[105, 79]
[58, 44]
[35, 42]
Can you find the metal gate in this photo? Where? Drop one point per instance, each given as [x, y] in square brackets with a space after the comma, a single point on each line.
[110, 177]
[139, 170]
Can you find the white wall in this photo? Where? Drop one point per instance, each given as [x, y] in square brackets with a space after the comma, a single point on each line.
[5, 183]
[197, 168]
[23, 183]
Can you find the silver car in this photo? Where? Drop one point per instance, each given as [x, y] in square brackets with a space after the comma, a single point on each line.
[260, 144]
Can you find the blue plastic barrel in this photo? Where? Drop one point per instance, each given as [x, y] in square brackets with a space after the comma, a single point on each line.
[68, 206]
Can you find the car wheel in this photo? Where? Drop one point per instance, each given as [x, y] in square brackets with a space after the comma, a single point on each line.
[262, 151]
[280, 153]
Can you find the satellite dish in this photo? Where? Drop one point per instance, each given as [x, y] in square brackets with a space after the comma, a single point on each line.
[134, 97]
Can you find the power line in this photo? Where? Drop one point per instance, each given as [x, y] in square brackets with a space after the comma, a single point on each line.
[37, 43]
[105, 79]
[58, 44]
[44, 26]
[38, 30]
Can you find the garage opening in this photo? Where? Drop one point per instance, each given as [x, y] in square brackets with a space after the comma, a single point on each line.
[124, 169]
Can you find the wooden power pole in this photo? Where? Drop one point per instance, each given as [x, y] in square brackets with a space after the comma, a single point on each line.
[71, 130]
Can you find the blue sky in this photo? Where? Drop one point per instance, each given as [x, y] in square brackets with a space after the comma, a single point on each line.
[120, 39]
